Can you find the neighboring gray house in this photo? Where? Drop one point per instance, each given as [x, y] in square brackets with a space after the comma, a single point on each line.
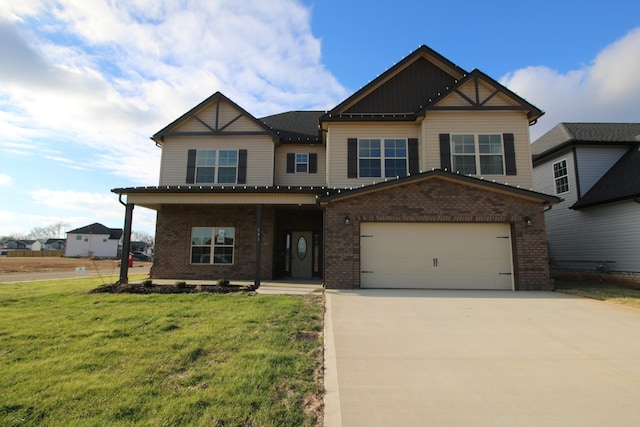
[94, 240]
[54, 244]
[595, 169]
[23, 245]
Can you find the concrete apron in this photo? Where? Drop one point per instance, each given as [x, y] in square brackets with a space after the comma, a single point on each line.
[490, 358]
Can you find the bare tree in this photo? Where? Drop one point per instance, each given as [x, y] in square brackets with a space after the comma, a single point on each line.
[141, 236]
[48, 231]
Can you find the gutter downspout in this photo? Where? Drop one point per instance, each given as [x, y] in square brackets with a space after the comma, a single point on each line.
[126, 242]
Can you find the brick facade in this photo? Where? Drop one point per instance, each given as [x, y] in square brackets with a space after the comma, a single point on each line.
[435, 200]
[173, 242]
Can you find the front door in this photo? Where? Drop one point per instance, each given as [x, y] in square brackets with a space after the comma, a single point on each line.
[301, 255]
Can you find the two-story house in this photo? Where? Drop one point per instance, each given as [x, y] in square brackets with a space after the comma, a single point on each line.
[421, 179]
[94, 240]
[595, 169]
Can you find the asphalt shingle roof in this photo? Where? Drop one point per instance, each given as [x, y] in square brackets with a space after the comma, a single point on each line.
[566, 134]
[295, 126]
[621, 182]
[97, 228]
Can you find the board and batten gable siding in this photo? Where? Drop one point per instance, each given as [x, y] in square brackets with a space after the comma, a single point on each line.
[216, 117]
[479, 122]
[337, 143]
[300, 179]
[594, 162]
[260, 152]
[485, 92]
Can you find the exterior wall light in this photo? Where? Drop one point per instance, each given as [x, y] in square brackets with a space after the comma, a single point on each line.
[347, 220]
[527, 221]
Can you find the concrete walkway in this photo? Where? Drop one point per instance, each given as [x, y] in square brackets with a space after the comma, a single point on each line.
[491, 358]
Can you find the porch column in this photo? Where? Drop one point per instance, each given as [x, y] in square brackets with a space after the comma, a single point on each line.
[256, 281]
[126, 244]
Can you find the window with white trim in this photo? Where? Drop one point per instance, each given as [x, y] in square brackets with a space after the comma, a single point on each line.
[302, 162]
[212, 245]
[216, 166]
[375, 155]
[473, 153]
[561, 176]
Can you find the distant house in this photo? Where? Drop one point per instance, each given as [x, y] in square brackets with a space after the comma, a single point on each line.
[94, 240]
[54, 244]
[595, 169]
[23, 245]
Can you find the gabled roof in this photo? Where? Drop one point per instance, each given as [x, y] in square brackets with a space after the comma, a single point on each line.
[417, 84]
[54, 240]
[621, 182]
[546, 199]
[296, 126]
[218, 129]
[401, 90]
[482, 102]
[97, 228]
[565, 135]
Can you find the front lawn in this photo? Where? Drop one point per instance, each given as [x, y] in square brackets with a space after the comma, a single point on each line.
[68, 357]
[628, 295]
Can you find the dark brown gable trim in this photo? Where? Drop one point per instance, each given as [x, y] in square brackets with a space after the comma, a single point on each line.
[352, 158]
[445, 151]
[291, 162]
[242, 166]
[191, 166]
[509, 154]
[313, 162]
[414, 163]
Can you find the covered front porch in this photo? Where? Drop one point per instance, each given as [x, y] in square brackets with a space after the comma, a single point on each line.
[214, 233]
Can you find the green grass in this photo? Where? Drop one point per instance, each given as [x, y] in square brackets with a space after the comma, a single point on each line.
[72, 358]
[628, 295]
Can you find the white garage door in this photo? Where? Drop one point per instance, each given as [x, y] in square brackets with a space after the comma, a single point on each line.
[435, 256]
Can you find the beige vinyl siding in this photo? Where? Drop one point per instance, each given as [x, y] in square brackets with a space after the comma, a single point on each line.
[221, 199]
[217, 118]
[303, 179]
[337, 138]
[484, 92]
[479, 122]
[260, 152]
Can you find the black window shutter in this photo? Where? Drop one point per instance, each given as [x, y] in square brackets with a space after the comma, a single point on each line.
[352, 159]
[445, 151]
[291, 162]
[414, 164]
[313, 162]
[242, 166]
[191, 166]
[509, 154]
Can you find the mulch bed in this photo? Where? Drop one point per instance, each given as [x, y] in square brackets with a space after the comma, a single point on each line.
[138, 288]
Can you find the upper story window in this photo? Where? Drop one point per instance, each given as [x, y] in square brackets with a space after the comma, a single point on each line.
[473, 153]
[216, 166]
[376, 156]
[561, 176]
[302, 162]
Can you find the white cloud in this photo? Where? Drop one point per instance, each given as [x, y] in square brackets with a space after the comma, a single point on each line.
[135, 66]
[607, 90]
[5, 179]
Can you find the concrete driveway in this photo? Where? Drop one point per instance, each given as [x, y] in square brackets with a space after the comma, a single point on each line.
[490, 358]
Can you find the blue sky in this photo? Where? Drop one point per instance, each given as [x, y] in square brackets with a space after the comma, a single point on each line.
[83, 84]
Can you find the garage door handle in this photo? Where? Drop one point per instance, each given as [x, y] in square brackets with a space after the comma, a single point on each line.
[504, 274]
[366, 271]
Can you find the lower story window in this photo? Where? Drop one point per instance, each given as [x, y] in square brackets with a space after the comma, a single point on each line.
[212, 245]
